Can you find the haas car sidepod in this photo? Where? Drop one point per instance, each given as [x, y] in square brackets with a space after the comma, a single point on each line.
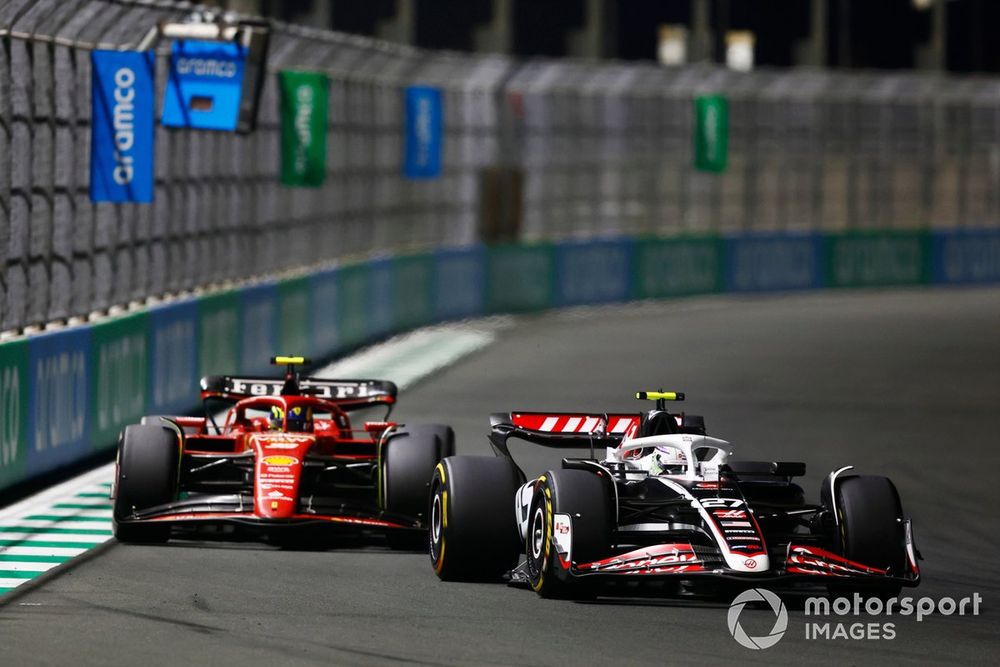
[285, 462]
[666, 502]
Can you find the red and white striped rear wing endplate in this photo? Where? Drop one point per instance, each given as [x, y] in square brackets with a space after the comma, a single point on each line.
[562, 429]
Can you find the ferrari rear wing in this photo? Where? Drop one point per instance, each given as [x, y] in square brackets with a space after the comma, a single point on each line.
[346, 393]
[568, 430]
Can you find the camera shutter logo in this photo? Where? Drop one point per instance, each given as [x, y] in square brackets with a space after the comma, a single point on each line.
[780, 622]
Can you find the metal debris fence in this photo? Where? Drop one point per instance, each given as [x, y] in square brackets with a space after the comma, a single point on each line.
[564, 148]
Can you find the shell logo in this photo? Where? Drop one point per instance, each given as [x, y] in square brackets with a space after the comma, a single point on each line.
[280, 460]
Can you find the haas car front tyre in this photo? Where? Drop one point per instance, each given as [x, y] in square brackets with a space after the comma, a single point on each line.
[474, 534]
[870, 521]
[146, 476]
[583, 496]
[408, 460]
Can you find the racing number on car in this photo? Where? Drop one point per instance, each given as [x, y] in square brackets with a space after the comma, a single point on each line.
[721, 502]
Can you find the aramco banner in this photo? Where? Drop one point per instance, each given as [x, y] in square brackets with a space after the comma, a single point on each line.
[303, 127]
[205, 84]
[121, 149]
[424, 123]
[711, 134]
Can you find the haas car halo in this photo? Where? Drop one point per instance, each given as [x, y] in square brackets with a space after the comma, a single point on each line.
[285, 461]
[666, 502]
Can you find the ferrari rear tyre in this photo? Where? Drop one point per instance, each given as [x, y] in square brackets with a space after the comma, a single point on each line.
[869, 516]
[473, 528]
[407, 462]
[147, 471]
[584, 497]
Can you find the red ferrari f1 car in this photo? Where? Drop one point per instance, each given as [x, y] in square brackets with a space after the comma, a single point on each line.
[663, 502]
[285, 461]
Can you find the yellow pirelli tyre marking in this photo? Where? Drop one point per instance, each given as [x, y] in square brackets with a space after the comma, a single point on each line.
[548, 526]
[439, 563]
[548, 540]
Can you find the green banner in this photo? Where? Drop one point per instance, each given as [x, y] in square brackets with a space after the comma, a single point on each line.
[878, 259]
[294, 322]
[678, 267]
[352, 304]
[13, 411]
[119, 355]
[303, 128]
[219, 341]
[411, 289]
[520, 277]
[711, 134]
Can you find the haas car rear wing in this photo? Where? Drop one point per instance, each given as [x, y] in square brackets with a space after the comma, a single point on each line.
[580, 430]
[347, 394]
[564, 429]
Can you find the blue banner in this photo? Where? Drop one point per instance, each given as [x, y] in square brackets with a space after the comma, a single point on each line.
[766, 262]
[260, 328]
[173, 377]
[205, 84]
[59, 397]
[966, 256]
[123, 97]
[424, 124]
[593, 271]
[458, 285]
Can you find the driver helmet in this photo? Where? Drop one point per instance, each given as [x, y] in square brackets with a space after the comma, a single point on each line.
[299, 418]
[277, 419]
[668, 461]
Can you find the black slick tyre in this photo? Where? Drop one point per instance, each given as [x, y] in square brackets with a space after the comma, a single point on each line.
[146, 476]
[869, 519]
[407, 463]
[584, 496]
[473, 529]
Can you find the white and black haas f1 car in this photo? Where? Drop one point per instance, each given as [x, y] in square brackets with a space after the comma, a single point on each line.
[668, 503]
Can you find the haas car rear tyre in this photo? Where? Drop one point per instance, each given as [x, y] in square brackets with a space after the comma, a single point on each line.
[147, 470]
[408, 460]
[869, 516]
[474, 533]
[584, 497]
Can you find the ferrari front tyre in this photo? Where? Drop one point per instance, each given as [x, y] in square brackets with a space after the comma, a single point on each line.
[473, 528]
[870, 521]
[147, 473]
[407, 462]
[584, 497]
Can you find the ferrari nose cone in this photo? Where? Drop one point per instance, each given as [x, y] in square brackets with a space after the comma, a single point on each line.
[277, 473]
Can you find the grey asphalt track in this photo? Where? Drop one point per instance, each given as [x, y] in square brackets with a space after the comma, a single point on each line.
[901, 383]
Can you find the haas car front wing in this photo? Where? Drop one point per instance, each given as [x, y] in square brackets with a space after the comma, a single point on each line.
[683, 560]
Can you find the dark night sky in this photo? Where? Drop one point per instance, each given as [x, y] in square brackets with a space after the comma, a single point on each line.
[881, 33]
